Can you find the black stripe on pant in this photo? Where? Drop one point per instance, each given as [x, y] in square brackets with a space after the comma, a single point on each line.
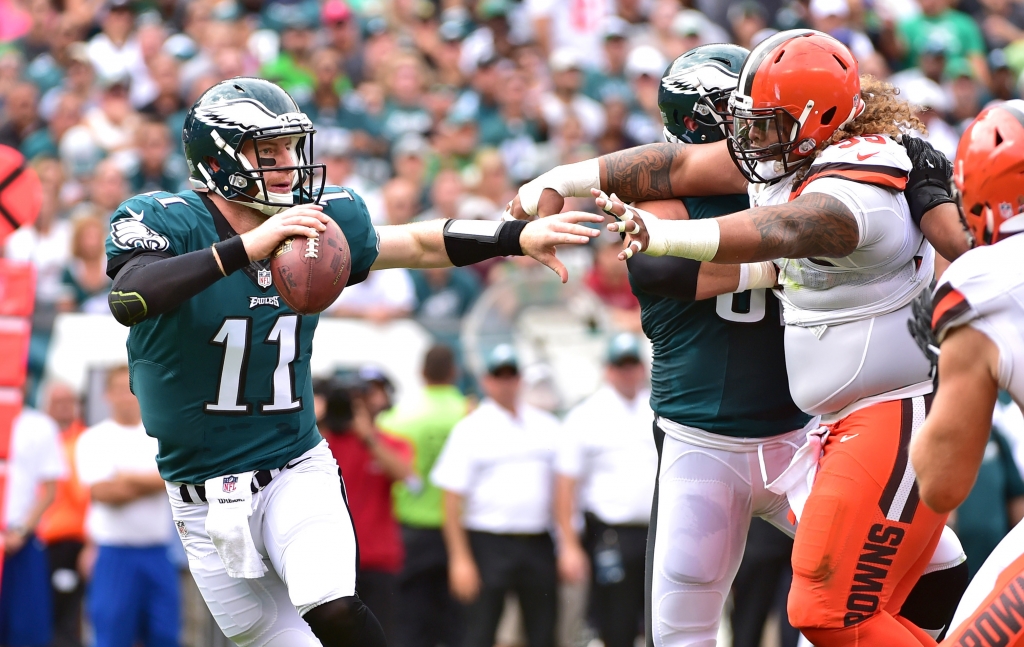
[652, 533]
[523, 564]
[617, 607]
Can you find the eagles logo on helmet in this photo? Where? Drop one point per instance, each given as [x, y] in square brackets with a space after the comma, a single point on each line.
[796, 89]
[992, 194]
[242, 110]
[697, 86]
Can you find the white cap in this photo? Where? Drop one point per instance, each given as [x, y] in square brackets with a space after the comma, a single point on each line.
[924, 92]
[645, 60]
[564, 59]
[826, 8]
[689, 22]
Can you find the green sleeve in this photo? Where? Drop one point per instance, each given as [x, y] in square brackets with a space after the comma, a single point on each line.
[974, 42]
[351, 214]
[157, 222]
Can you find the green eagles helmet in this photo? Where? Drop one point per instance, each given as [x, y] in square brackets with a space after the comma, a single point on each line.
[698, 85]
[242, 110]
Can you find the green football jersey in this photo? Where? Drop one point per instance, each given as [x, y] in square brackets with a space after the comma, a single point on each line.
[719, 364]
[223, 379]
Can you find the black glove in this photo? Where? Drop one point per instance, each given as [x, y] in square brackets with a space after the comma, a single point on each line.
[920, 325]
[928, 186]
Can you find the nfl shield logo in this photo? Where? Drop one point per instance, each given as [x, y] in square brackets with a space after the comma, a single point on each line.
[229, 483]
[263, 278]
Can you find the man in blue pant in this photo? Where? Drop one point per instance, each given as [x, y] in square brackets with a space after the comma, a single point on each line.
[133, 594]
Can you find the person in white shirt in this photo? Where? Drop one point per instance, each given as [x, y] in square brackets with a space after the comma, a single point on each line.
[133, 593]
[606, 468]
[497, 474]
[35, 463]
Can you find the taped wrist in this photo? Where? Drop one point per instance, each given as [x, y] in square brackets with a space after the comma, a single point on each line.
[472, 241]
[569, 180]
[232, 254]
[696, 239]
[757, 275]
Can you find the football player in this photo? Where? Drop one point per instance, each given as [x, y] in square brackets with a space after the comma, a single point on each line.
[978, 318]
[817, 152]
[220, 364]
[719, 388]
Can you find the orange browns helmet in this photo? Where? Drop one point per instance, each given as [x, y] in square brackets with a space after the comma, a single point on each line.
[795, 90]
[989, 172]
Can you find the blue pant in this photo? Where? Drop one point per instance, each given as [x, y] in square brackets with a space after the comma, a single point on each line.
[133, 597]
[26, 605]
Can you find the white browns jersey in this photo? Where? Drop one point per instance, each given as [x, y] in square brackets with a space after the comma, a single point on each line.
[984, 289]
[847, 345]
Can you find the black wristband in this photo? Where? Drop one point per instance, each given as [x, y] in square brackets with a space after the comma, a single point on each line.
[471, 241]
[232, 254]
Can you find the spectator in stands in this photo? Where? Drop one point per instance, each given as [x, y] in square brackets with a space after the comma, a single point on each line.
[21, 115]
[133, 589]
[607, 465]
[489, 187]
[85, 275]
[1001, 22]
[446, 193]
[576, 25]
[404, 84]
[429, 615]
[115, 50]
[443, 297]
[35, 465]
[168, 101]
[610, 80]
[1004, 83]
[113, 122]
[107, 188]
[371, 462]
[996, 502]
[157, 168]
[833, 18]
[961, 34]
[62, 526]
[644, 68]
[292, 69]
[496, 470]
[565, 99]
[409, 157]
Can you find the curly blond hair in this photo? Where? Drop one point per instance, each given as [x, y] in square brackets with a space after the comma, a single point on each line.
[884, 114]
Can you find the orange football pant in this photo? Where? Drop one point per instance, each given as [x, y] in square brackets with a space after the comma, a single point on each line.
[997, 622]
[864, 537]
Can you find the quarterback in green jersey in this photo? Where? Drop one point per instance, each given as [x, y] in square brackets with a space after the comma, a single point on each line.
[220, 363]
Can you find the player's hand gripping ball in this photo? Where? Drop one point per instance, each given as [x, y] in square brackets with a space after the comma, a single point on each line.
[310, 273]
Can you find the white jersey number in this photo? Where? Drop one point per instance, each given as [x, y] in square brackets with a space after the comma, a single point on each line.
[235, 337]
[741, 307]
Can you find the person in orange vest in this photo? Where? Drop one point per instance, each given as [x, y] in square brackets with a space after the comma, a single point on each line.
[62, 526]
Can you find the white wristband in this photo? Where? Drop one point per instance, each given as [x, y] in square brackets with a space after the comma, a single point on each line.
[757, 275]
[696, 239]
[569, 180]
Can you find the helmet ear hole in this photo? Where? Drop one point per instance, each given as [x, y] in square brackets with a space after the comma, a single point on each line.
[826, 118]
[977, 208]
[841, 63]
[999, 137]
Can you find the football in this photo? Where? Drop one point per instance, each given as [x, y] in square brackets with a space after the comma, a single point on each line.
[310, 273]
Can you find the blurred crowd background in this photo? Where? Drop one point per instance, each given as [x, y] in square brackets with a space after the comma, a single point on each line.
[428, 109]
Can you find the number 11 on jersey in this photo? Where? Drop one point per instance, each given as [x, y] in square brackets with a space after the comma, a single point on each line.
[236, 338]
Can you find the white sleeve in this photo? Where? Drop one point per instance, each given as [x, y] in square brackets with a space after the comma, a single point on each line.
[539, 8]
[453, 468]
[91, 459]
[51, 457]
[569, 449]
[881, 217]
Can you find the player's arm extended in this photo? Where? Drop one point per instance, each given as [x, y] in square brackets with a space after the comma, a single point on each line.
[649, 172]
[812, 225]
[685, 279]
[444, 243]
[948, 449]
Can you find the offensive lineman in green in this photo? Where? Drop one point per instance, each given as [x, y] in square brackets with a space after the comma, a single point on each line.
[220, 364]
[719, 388]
